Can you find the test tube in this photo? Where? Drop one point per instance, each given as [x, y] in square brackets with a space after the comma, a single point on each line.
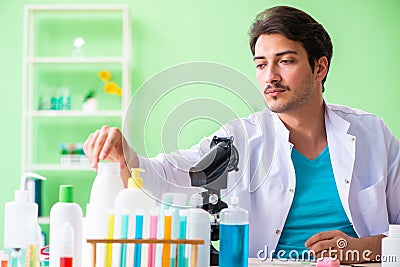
[182, 261]
[124, 235]
[110, 235]
[138, 235]
[153, 235]
[167, 236]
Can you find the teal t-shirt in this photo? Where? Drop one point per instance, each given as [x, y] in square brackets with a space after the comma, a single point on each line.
[316, 205]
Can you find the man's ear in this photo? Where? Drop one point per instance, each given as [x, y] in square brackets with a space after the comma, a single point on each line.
[321, 68]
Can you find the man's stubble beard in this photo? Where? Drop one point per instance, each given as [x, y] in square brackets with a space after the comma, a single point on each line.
[303, 96]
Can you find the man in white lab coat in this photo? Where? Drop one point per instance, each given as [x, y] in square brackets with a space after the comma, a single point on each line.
[313, 176]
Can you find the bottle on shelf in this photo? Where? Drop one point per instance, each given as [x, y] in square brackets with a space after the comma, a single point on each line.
[62, 212]
[234, 235]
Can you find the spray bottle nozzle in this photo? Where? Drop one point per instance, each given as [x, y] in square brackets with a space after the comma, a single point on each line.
[22, 194]
[235, 200]
[29, 174]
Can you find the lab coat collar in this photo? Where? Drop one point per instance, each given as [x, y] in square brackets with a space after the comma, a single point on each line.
[341, 125]
[342, 146]
[280, 128]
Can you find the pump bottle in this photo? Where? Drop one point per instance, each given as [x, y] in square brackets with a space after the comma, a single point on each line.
[21, 228]
[199, 228]
[129, 201]
[234, 235]
[391, 247]
[63, 213]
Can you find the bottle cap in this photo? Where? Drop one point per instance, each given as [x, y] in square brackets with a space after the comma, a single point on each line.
[394, 230]
[109, 168]
[66, 193]
[136, 181]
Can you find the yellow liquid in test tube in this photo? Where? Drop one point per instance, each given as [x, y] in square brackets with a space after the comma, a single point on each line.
[167, 235]
[32, 259]
[110, 235]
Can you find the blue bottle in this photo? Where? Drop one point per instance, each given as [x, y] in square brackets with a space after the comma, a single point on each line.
[234, 235]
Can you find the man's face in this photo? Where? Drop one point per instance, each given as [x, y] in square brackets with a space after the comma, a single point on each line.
[284, 73]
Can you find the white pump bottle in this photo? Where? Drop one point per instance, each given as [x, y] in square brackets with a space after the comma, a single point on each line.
[129, 201]
[20, 219]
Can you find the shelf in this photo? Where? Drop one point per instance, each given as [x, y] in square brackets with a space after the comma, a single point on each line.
[75, 113]
[58, 167]
[71, 60]
[50, 63]
[76, 7]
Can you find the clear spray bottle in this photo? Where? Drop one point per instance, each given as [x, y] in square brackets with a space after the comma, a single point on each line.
[234, 235]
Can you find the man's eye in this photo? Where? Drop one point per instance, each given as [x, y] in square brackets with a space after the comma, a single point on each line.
[260, 66]
[287, 61]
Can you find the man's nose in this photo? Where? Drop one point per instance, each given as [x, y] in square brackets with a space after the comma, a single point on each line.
[272, 75]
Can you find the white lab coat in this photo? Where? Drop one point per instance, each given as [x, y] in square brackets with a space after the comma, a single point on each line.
[365, 158]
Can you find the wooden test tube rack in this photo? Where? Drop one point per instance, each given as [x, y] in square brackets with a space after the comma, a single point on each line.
[193, 242]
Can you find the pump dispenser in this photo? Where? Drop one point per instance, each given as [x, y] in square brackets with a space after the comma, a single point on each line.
[20, 220]
[234, 235]
[199, 228]
[129, 201]
[62, 213]
[391, 247]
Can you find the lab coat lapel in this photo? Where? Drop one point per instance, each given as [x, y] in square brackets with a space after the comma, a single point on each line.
[342, 152]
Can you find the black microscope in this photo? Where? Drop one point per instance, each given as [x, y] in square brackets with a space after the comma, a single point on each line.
[211, 173]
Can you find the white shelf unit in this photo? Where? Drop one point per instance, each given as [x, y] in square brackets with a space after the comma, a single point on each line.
[64, 60]
[58, 167]
[74, 113]
[31, 60]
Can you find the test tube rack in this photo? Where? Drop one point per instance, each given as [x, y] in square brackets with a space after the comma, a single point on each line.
[193, 242]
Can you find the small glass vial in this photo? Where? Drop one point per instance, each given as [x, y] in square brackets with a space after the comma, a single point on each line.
[16, 257]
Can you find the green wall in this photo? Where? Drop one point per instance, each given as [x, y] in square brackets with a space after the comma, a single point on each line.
[363, 72]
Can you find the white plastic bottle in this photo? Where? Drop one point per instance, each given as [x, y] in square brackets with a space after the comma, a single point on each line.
[62, 212]
[391, 247]
[129, 201]
[105, 188]
[20, 220]
[199, 228]
[234, 235]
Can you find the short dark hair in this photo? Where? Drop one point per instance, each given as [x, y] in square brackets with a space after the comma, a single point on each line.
[295, 25]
